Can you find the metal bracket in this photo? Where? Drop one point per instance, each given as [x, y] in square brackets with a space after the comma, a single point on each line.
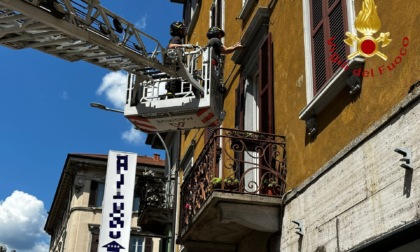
[354, 84]
[300, 227]
[407, 157]
[312, 126]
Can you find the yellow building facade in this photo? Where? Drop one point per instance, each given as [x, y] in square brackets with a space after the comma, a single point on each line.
[333, 125]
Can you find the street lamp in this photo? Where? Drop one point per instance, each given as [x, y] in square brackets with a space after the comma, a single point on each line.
[103, 107]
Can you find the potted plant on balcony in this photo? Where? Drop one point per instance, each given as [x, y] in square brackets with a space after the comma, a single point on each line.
[216, 182]
[270, 187]
[231, 183]
[248, 141]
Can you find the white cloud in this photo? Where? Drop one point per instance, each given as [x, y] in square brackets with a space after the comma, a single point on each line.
[114, 87]
[133, 136]
[141, 24]
[22, 219]
[64, 95]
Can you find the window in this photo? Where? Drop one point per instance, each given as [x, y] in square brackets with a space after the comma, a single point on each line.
[266, 104]
[254, 94]
[94, 243]
[328, 20]
[140, 244]
[325, 20]
[246, 8]
[191, 10]
[94, 239]
[247, 115]
[136, 203]
[96, 195]
[136, 244]
[189, 165]
[216, 14]
[239, 111]
[187, 161]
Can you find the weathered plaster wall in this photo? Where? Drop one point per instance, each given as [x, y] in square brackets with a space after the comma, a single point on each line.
[361, 196]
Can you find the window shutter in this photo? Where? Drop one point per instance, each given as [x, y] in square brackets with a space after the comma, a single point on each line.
[148, 245]
[328, 20]
[240, 104]
[239, 119]
[93, 193]
[266, 107]
[94, 243]
[187, 13]
[336, 25]
[320, 70]
[219, 13]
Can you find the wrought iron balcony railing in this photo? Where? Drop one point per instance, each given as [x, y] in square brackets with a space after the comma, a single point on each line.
[155, 202]
[234, 161]
[151, 191]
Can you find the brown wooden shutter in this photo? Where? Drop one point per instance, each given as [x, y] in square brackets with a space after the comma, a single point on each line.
[266, 107]
[338, 27]
[219, 15]
[328, 20]
[240, 104]
[239, 120]
[148, 245]
[93, 193]
[94, 243]
[187, 13]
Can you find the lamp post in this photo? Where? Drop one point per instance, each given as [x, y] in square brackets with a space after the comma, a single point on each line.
[103, 107]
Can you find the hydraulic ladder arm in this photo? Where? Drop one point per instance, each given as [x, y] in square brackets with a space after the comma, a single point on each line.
[83, 30]
[77, 30]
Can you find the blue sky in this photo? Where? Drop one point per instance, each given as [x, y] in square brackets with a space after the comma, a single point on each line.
[45, 114]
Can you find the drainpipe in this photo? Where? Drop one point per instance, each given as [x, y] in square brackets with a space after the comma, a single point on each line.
[174, 207]
[168, 188]
[177, 182]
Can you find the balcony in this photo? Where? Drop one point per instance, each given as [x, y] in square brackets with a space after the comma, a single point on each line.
[155, 210]
[233, 190]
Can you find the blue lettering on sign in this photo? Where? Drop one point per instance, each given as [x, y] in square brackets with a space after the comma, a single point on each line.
[115, 236]
[117, 216]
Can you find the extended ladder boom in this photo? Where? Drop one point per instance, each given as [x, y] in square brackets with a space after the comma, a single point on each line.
[166, 90]
[81, 30]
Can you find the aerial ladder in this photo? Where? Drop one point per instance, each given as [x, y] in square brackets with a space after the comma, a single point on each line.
[83, 30]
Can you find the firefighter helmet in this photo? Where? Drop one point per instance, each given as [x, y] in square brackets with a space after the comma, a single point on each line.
[214, 32]
[178, 29]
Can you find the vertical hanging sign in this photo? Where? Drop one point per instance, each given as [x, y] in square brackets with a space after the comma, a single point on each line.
[118, 202]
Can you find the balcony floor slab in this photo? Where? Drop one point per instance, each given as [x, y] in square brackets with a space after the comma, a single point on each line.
[227, 218]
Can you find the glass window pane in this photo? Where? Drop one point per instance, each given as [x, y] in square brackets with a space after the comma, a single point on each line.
[100, 196]
[136, 244]
[136, 203]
